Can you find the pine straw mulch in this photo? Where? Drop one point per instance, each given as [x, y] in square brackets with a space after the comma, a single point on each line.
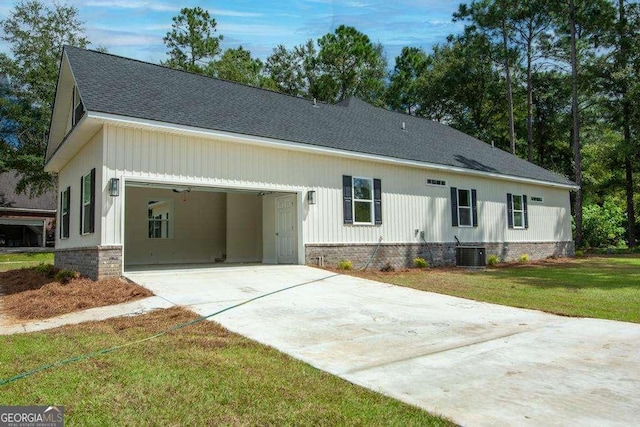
[28, 294]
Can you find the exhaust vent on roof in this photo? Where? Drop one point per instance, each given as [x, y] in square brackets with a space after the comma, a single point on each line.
[404, 126]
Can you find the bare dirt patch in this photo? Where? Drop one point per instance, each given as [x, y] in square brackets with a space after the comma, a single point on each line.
[29, 294]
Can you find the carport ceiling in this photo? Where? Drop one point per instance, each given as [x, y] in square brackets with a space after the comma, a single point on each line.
[178, 188]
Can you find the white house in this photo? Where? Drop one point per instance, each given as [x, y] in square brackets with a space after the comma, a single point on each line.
[159, 166]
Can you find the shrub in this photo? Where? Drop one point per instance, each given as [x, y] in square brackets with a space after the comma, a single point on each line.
[345, 264]
[492, 260]
[579, 253]
[419, 262]
[47, 269]
[387, 268]
[524, 258]
[603, 225]
[65, 276]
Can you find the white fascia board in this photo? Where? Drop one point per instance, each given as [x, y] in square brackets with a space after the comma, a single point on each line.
[303, 147]
[169, 183]
[80, 134]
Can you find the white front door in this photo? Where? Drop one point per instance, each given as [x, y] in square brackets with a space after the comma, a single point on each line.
[286, 230]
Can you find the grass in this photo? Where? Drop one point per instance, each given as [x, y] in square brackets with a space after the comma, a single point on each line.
[605, 287]
[21, 260]
[199, 375]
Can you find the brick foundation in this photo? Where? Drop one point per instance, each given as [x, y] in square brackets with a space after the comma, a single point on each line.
[96, 262]
[402, 255]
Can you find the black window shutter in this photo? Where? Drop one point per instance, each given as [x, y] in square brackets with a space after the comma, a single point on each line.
[65, 218]
[92, 209]
[509, 210]
[474, 207]
[68, 218]
[454, 206]
[525, 213]
[377, 200]
[62, 218]
[81, 203]
[347, 199]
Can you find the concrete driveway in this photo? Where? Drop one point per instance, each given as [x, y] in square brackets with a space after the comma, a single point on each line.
[476, 363]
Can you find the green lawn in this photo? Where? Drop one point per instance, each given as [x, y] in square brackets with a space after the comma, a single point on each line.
[199, 375]
[19, 260]
[606, 287]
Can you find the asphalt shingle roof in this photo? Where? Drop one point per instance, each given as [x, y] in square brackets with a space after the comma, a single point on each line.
[127, 87]
[10, 199]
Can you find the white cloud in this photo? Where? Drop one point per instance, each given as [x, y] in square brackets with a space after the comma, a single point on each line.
[234, 13]
[157, 27]
[157, 6]
[254, 30]
[111, 38]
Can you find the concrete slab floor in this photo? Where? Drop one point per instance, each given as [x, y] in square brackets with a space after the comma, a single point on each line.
[476, 363]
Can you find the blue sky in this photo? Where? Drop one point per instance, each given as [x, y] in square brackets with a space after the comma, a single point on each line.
[134, 28]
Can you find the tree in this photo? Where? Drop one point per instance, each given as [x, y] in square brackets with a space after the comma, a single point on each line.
[36, 35]
[623, 78]
[461, 87]
[351, 66]
[575, 119]
[237, 65]
[191, 42]
[403, 93]
[491, 18]
[293, 71]
[532, 21]
[580, 26]
[551, 94]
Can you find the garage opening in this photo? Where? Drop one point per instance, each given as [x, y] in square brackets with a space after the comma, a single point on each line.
[177, 225]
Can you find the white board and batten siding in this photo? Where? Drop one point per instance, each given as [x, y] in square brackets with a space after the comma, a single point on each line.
[87, 158]
[408, 203]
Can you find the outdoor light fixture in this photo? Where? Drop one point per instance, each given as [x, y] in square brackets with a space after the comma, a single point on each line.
[114, 187]
[311, 196]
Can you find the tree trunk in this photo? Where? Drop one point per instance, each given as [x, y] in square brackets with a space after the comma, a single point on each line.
[507, 70]
[577, 155]
[542, 149]
[529, 101]
[631, 214]
[626, 127]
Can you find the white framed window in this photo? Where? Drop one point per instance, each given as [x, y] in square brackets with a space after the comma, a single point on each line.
[464, 207]
[78, 109]
[87, 202]
[362, 200]
[465, 212]
[64, 212]
[517, 211]
[436, 182]
[160, 219]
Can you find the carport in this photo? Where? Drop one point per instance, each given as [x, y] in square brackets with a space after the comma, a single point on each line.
[178, 224]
